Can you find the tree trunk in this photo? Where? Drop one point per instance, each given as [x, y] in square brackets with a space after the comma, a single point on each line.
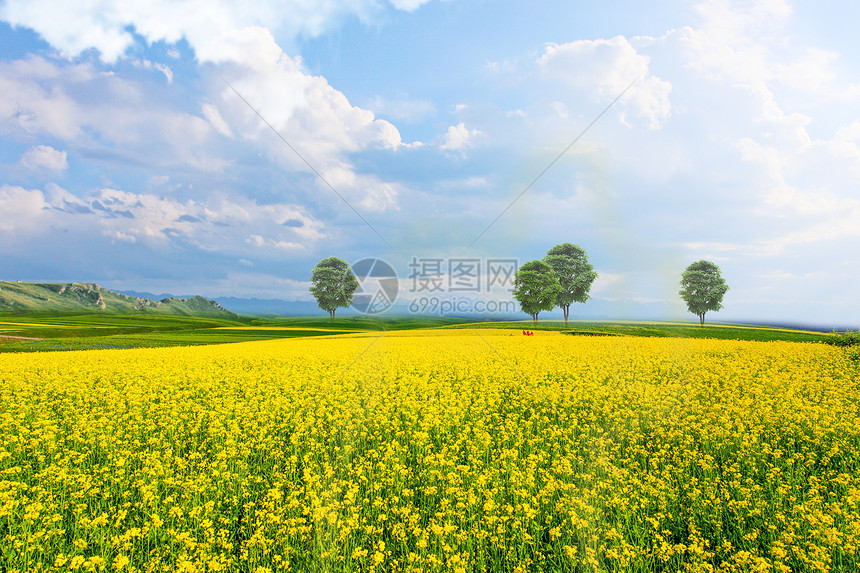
[702, 318]
[534, 319]
[566, 309]
[331, 315]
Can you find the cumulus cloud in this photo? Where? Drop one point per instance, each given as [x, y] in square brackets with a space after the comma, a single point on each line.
[605, 67]
[21, 208]
[371, 193]
[105, 112]
[44, 157]
[730, 40]
[107, 25]
[459, 137]
[797, 183]
[211, 113]
[78, 103]
[320, 124]
[35, 99]
[846, 144]
[218, 224]
[304, 108]
[733, 46]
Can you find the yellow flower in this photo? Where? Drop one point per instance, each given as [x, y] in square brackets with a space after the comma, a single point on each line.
[259, 450]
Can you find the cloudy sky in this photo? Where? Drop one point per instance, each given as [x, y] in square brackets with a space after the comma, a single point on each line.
[222, 148]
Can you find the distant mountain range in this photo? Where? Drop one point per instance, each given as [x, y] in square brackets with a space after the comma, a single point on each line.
[85, 297]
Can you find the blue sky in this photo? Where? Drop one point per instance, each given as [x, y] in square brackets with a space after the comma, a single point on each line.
[128, 159]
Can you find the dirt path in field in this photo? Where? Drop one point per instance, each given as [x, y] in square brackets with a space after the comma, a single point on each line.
[8, 338]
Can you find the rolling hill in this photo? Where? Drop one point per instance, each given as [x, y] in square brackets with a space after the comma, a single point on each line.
[86, 297]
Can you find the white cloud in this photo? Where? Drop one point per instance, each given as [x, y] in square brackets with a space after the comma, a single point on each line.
[20, 209]
[305, 109]
[211, 113]
[35, 103]
[317, 120]
[846, 144]
[115, 235]
[74, 27]
[150, 65]
[459, 137]
[76, 102]
[371, 193]
[218, 224]
[408, 5]
[733, 39]
[769, 91]
[606, 68]
[102, 111]
[606, 282]
[259, 241]
[748, 44]
[98, 110]
[212, 224]
[44, 157]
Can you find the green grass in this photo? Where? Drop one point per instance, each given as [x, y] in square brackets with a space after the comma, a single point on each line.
[37, 332]
[660, 329]
[47, 332]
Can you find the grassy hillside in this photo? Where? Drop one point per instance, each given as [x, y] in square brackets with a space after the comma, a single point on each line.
[18, 297]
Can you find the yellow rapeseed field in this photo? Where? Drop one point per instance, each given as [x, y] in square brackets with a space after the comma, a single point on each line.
[446, 450]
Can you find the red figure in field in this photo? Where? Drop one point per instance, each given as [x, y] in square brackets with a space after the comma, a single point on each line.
[528, 333]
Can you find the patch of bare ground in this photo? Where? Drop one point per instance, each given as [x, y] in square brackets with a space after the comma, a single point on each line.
[8, 338]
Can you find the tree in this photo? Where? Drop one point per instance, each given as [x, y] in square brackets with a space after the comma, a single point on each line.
[575, 274]
[536, 288]
[702, 288]
[333, 284]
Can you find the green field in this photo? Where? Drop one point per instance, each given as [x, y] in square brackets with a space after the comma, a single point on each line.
[663, 329]
[46, 332]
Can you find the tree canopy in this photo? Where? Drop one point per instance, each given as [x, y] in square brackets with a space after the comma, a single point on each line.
[536, 288]
[702, 288]
[333, 284]
[575, 274]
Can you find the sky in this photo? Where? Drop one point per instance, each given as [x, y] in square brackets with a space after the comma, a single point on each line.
[223, 149]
